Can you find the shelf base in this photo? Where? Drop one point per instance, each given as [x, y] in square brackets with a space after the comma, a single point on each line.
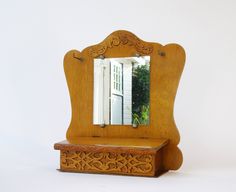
[123, 156]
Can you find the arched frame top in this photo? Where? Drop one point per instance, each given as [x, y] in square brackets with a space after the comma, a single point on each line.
[166, 66]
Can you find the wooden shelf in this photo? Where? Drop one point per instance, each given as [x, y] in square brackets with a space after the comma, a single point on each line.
[126, 156]
[143, 143]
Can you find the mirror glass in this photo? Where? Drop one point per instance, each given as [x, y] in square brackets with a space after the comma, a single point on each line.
[121, 91]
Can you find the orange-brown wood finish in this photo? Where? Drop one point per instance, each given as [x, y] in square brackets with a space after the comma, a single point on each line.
[127, 156]
[166, 66]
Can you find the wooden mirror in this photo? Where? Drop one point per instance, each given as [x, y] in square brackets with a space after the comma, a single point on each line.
[104, 136]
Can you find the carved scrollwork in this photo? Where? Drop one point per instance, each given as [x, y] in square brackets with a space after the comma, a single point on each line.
[100, 49]
[121, 38]
[132, 40]
[123, 163]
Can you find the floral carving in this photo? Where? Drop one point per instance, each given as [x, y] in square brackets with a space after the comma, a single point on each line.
[107, 162]
[100, 49]
[132, 40]
[121, 38]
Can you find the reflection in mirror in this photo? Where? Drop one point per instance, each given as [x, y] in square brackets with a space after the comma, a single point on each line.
[121, 91]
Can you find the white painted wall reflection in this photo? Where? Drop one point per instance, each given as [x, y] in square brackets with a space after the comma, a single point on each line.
[114, 91]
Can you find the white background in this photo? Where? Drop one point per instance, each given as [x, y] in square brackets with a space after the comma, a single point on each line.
[34, 100]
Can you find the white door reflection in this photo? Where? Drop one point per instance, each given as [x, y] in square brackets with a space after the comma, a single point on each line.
[113, 92]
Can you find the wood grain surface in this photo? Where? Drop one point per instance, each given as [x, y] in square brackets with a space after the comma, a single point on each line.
[127, 156]
[166, 66]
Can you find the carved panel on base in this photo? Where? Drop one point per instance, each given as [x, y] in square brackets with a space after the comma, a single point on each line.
[108, 162]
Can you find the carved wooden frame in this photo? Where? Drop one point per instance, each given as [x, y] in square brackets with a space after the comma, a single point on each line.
[166, 66]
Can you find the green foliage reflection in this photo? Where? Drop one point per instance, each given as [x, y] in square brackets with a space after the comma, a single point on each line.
[140, 94]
